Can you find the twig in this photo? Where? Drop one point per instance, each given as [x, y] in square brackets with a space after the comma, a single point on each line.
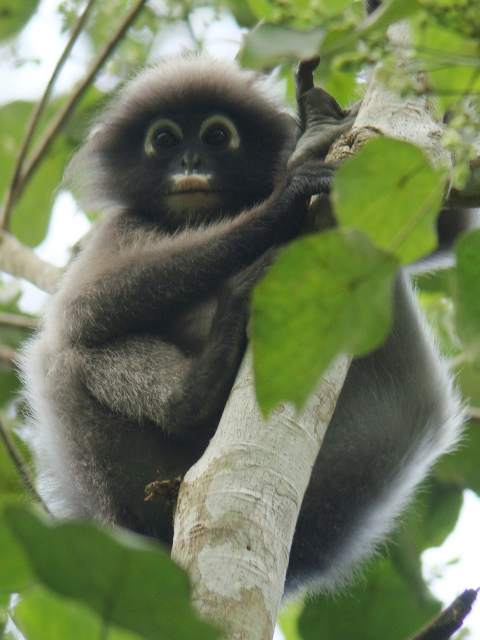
[473, 413]
[7, 356]
[17, 459]
[450, 619]
[36, 115]
[58, 122]
[18, 321]
[21, 262]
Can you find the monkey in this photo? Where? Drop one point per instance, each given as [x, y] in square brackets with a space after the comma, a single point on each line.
[129, 373]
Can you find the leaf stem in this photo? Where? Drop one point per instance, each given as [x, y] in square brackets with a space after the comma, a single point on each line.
[36, 115]
[59, 120]
[21, 466]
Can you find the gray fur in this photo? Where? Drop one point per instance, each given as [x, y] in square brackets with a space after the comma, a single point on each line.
[139, 347]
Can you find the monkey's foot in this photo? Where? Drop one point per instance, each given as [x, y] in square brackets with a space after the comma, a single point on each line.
[167, 489]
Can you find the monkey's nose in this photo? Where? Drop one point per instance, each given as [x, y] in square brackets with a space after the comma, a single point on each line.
[190, 162]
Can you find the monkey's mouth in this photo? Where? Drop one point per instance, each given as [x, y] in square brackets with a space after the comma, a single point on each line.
[188, 192]
[184, 185]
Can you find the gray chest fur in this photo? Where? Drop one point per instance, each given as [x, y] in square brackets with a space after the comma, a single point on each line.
[191, 329]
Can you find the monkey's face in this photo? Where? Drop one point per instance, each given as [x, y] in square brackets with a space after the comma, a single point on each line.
[197, 162]
[195, 158]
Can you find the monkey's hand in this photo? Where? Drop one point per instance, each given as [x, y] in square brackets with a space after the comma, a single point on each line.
[322, 119]
[325, 121]
[311, 178]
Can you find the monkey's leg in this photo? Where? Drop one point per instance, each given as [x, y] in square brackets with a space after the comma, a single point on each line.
[397, 413]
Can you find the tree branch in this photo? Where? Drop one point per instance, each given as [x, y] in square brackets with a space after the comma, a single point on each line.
[450, 619]
[36, 115]
[7, 356]
[239, 504]
[62, 116]
[473, 413]
[383, 112]
[18, 321]
[20, 261]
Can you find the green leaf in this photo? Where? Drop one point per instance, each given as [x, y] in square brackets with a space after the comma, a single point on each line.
[289, 618]
[126, 580]
[338, 81]
[382, 605]
[433, 515]
[31, 214]
[9, 386]
[427, 523]
[311, 306]
[339, 40]
[41, 614]
[391, 11]
[450, 60]
[346, 36]
[467, 289]
[15, 572]
[440, 314]
[439, 281]
[14, 14]
[10, 482]
[390, 191]
[4, 599]
[461, 469]
[269, 45]
[334, 6]
[263, 9]
[468, 377]
[242, 13]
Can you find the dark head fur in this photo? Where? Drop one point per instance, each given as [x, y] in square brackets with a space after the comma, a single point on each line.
[112, 168]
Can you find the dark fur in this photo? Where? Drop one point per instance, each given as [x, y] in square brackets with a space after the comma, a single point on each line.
[140, 346]
[372, 5]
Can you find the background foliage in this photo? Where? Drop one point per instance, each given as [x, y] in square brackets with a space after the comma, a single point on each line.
[79, 581]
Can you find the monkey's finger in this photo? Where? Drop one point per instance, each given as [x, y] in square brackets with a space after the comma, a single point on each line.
[304, 74]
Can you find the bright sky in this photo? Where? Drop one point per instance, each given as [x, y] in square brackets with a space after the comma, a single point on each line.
[450, 568]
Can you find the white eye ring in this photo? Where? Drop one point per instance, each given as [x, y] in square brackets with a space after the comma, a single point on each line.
[234, 141]
[162, 123]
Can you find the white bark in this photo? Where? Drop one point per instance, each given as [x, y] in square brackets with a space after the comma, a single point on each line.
[20, 261]
[411, 118]
[239, 504]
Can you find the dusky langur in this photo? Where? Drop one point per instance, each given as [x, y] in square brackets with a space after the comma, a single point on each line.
[140, 345]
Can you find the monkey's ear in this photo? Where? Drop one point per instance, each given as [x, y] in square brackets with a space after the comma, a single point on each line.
[87, 175]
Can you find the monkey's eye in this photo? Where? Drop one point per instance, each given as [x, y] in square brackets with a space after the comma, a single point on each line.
[162, 135]
[216, 136]
[164, 138]
[219, 131]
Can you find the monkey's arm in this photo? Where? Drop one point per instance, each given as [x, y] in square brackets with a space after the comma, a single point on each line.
[147, 379]
[147, 288]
